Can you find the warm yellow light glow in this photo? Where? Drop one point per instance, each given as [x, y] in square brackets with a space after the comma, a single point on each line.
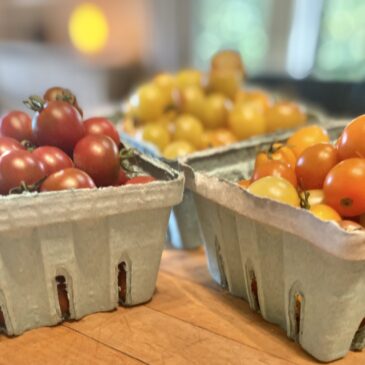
[88, 28]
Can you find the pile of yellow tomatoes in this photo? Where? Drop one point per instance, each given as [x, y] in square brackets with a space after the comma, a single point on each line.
[190, 110]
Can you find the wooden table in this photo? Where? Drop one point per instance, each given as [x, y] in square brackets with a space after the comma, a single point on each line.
[190, 320]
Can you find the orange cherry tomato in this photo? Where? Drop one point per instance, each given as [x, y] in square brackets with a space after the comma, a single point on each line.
[277, 169]
[278, 152]
[325, 212]
[306, 137]
[344, 187]
[313, 165]
[244, 183]
[351, 142]
[350, 226]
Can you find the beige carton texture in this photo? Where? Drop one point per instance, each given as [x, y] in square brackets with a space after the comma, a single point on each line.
[284, 251]
[82, 235]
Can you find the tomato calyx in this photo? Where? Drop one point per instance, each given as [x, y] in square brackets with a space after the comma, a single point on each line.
[28, 145]
[35, 103]
[61, 94]
[272, 149]
[29, 188]
[128, 161]
[304, 199]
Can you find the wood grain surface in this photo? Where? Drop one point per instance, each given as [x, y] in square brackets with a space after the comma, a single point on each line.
[190, 320]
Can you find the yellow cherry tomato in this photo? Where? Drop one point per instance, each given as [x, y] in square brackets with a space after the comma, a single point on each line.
[178, 149]
[306, 137]
[190, 100]
[316, 196]
[275, 188]
[128, 126]
[190, 129]
[221, 137]
[215, 111]
[205, 141]
[157, 134]
[149, 102]
[188, 77]
[325, 212]
[226, 73]
[167, 84]
[166, 122]
[257, 97]
[246, 121]
[227, 60]
[226, 82]
[284, 115]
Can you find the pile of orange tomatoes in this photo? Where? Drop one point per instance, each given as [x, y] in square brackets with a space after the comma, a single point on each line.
[310, 172]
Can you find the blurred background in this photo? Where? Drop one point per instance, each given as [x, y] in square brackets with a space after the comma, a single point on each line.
[101, 49]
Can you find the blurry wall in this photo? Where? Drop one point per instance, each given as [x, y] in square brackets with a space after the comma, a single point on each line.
[286, 39]
[36, 52]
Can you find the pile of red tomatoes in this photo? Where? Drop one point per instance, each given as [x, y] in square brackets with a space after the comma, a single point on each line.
[57, 150]
[310, 172]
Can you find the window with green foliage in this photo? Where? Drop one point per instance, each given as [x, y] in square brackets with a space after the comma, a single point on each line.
[341, 48]
[234, 24]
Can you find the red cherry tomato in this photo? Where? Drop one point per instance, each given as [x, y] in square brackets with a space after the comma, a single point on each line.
[313, 165]
[122, 178]
[102, 126]
[9, 144]
[99, 157]
[140, 180]
[66, 179]
[58, 124]
[17, 125]
[344, 185]
[275, 168]
[58, 93]
[53, 159]
[351, 142]
[17, 167]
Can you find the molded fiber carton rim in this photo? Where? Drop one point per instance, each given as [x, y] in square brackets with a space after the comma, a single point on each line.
[304, 274]
[98, 247]
[184, 229]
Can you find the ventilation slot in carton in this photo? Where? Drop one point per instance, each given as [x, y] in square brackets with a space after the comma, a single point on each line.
[2, 322]
[220, 264]
[254, 291]
[296, 310]
[122, 282]
[297, 314]
[63, 299]
[358, 343]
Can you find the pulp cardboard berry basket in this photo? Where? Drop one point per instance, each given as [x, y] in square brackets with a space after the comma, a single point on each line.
[71, 253]
[184, 230]
[304, 274]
